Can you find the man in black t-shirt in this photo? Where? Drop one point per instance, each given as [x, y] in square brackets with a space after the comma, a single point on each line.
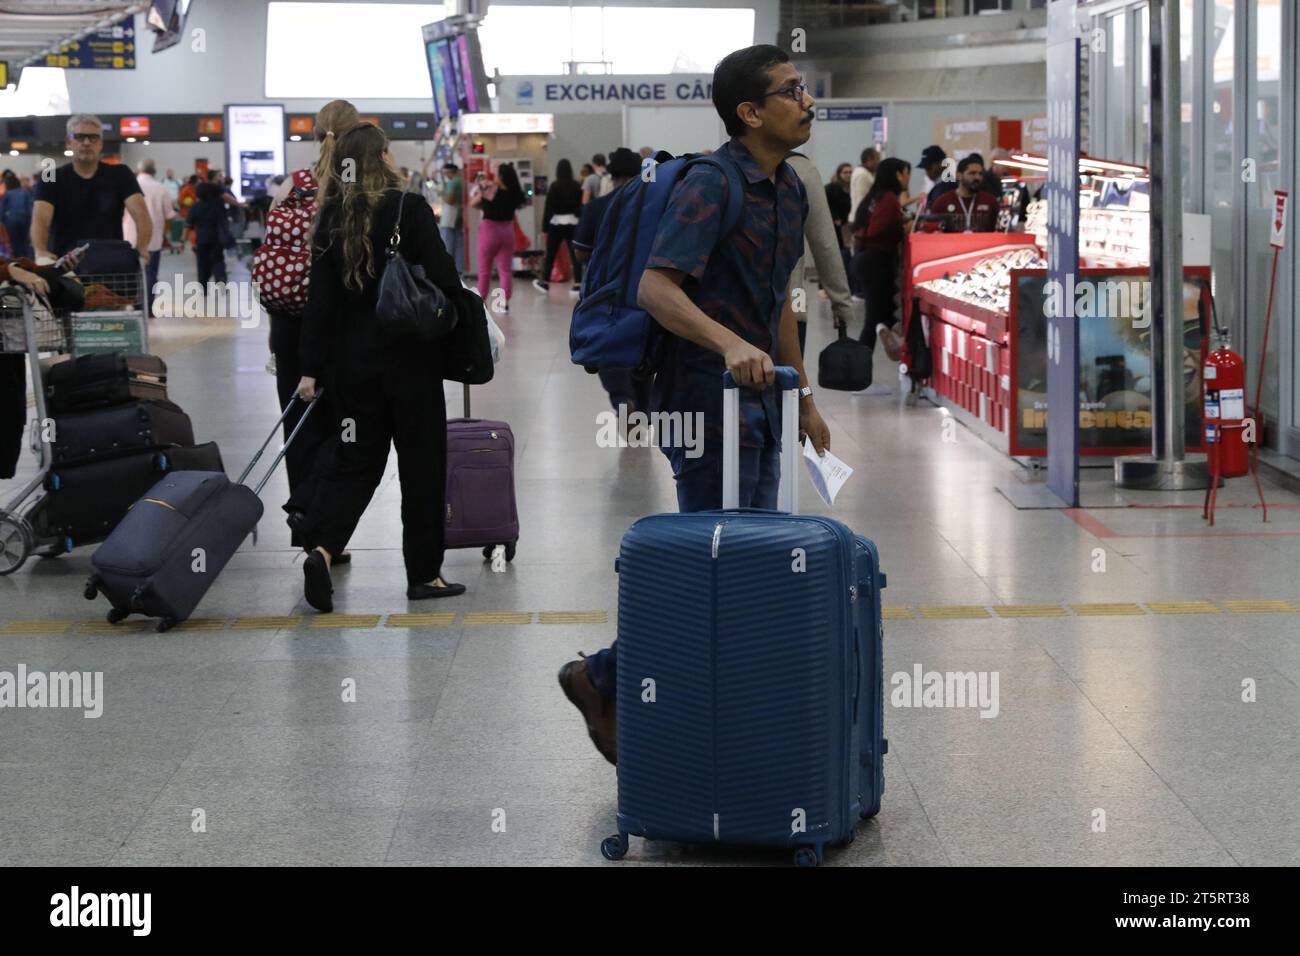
[85, 198]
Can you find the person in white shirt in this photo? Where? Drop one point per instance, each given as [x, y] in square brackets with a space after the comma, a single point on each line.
[599, 182]
[864, 176]
[159, 206]
[172, 185]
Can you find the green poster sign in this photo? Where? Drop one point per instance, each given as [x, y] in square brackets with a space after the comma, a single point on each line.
[108, 332]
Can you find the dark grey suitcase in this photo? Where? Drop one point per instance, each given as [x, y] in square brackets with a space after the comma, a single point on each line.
[168, 550]
[205, 457]
[111, 432]
[84, 502]
[105, 379]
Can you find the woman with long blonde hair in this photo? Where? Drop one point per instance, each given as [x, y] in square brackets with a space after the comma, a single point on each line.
[387, 394]
[281, 270]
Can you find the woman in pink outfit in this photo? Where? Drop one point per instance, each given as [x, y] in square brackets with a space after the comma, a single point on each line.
[498, 199]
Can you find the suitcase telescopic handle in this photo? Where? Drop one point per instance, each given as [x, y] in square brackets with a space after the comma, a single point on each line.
[787, 380]
[284, 447]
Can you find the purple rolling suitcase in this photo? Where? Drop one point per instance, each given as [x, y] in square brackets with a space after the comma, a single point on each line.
[174, 542]
[481, 510]
[750, 680]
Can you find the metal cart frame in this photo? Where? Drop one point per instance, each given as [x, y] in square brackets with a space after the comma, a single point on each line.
[22, 532]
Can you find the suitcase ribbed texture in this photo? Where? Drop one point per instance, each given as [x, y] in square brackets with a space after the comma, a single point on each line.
[666, 762]
[751, 723]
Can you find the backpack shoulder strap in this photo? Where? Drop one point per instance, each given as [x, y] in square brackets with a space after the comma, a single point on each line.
[735, 188]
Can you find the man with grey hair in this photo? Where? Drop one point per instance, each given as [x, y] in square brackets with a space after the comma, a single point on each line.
[84, 199]
[159, 205]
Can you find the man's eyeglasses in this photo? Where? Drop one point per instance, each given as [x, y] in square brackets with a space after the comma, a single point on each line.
[795, 93]
[86, 137]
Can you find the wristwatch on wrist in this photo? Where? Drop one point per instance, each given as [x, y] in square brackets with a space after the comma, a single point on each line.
[805, 392]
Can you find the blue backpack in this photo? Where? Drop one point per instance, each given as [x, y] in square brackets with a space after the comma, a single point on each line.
[608, 329]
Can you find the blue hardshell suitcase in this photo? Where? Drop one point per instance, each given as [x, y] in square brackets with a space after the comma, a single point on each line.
[173, 543]
[750, 680]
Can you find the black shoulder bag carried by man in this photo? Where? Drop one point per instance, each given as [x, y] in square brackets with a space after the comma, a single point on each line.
[410, 308]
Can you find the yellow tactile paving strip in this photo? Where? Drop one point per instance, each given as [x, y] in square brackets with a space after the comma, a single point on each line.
[952, 612]
[1260, 607]
[1107, 610]
[499, 617]
[35, 627]
[364, 622]
[443, 619]
[432, 619]
[1182, 607]
[572, 617]
[1030, 610]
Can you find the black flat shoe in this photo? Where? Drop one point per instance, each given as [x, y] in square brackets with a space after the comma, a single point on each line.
[421, 592]
[316, 587]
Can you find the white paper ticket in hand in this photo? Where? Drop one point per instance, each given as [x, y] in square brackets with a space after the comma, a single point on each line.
[827, 472]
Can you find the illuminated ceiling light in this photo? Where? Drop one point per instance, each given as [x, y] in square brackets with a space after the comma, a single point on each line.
[130, 139]
[295, 138]
[67, 152]
[1019, 164]
[145, 143]
[203, 139]
[1088, 163]
[13, 152]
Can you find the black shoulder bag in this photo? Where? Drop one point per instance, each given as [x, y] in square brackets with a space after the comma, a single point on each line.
[410, 308]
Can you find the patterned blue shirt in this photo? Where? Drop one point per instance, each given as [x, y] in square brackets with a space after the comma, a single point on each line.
[737, 280]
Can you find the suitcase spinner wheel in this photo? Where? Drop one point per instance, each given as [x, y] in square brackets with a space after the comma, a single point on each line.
[508, 545]
[16, 541]
[614, 847]
[807, 856]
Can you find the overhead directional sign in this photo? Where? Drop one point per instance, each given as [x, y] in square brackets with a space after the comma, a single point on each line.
[111, 49]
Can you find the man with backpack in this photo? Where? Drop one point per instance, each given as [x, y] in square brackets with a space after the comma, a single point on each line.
[622, 385]
[716, 279]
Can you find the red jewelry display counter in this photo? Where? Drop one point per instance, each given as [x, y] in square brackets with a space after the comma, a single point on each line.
[985, 318]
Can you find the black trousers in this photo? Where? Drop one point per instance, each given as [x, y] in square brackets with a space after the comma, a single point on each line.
[403, 407]
[554, 236]
[13, 411]
[877, 276]
[151, 280]
[311, 449]
[211, 261]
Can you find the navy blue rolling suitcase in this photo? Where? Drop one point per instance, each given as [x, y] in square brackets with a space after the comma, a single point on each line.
[174, 542]
[109, 432]
[750, 681]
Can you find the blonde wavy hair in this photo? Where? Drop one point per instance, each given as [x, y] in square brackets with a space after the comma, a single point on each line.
[356, 180]
[335, 118]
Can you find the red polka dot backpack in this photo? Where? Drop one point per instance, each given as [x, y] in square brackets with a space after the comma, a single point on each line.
[280, 269]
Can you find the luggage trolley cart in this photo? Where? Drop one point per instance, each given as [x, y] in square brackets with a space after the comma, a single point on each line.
[30, 331]
[113, 302]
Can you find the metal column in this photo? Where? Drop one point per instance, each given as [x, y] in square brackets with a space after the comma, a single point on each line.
[1166, 468]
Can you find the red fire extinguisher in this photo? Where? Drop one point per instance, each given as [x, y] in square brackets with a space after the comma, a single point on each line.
[1224, 387]
[1223, 393]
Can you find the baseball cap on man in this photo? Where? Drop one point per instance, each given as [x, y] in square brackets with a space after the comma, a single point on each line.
[932, 154]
